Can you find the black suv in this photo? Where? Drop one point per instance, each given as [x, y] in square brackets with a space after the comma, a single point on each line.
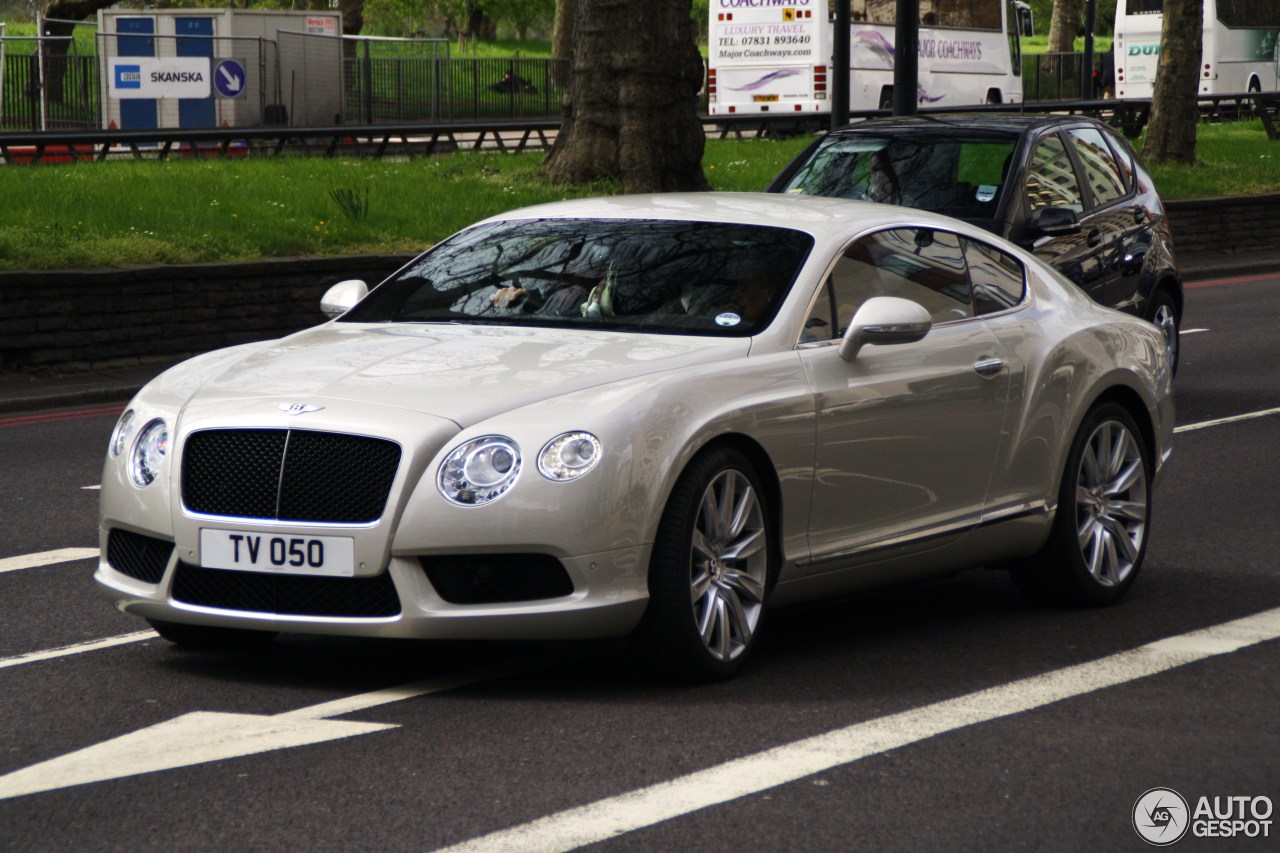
[1068, 188]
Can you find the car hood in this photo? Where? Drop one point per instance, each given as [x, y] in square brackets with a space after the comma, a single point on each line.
[462, 373]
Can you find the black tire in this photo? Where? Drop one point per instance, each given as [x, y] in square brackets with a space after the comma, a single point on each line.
[211, 638]
[1164, 314]
[710, 571]
[1100, 531]
[886, 98]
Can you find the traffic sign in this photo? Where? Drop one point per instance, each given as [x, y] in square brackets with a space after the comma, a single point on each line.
[229, 78]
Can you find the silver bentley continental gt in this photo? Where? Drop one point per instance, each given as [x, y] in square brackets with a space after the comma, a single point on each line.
[655, 415]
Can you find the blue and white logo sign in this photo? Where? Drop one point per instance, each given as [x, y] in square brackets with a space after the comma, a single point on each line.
[228, 78]
[128, 77]
[155, 77]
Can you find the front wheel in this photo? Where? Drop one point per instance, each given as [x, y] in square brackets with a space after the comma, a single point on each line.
[710, 570]
[1099, 534]
[1164, 314]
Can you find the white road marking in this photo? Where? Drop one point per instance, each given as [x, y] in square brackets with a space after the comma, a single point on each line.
[78, 648]
[1231, 420]
[1190, 331]
[46, 558]
[751, 774]
[204, 736]
[91, 488]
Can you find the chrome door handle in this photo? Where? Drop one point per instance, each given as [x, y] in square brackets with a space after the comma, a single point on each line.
[988, 366]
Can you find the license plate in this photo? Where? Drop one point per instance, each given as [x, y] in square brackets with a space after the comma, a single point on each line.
[765, 99]
[281, 553]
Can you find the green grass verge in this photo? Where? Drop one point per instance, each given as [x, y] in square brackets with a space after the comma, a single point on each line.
[181, 211]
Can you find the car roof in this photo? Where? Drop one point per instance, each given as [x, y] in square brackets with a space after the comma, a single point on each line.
[819, 216]
[947, 124]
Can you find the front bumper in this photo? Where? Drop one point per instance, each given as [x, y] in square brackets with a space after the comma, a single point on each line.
[608, 598]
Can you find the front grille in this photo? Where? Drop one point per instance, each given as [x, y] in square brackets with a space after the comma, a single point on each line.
[286, 595]
[288, 475]
[494, 578]
[140, 557]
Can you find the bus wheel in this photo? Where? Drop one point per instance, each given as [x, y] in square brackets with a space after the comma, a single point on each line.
[886, 98]
[994, 97]
[1252, 103]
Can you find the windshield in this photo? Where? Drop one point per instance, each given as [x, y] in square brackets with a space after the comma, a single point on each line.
[957, 177]
[641, 275]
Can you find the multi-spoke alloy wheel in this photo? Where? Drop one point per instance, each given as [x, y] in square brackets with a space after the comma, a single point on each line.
[1111, 503]
[730, 560]
[1100, 531]
[710, 571]
[1164, 315]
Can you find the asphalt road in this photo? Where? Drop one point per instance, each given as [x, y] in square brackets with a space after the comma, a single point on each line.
[492, 737]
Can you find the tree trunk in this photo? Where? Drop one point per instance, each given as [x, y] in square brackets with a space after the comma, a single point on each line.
[55, 64]
[562, 40]
[1063, 26]
[1171, 134]
[631, 112]
[1062, 35]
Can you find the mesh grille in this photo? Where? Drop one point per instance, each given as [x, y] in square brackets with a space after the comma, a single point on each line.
[493, 578]
[288, 595]
[288, 475]
[140, 557]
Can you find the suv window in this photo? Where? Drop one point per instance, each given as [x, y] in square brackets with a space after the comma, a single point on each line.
[1101, 171]
[1051, 179]
[920, 264]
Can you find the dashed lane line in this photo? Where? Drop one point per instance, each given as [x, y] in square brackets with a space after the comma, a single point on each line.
[46, 558]
[78, 648]
[1263, 413]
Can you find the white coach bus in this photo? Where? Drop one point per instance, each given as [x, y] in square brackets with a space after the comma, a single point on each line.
[775, 55]
[1238, 55]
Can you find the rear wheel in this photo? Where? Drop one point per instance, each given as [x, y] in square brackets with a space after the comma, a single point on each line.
[710, 570]
[210, 637]
[1099, 534]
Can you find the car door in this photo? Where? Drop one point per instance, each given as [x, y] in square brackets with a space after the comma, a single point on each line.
[907, 435]
[1050, 185]
[1116, 212]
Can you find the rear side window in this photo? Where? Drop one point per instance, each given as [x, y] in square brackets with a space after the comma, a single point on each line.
[1105, 178]
[999, 280]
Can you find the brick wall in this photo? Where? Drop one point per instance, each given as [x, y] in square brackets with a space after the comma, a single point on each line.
[77, 320]
[1231, 226]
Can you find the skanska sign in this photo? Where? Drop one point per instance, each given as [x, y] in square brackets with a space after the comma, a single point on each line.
[147, 77]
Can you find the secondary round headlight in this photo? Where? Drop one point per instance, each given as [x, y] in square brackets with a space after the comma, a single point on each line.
[480, 471]
[121, 434]
[149, 453]
[569, 456]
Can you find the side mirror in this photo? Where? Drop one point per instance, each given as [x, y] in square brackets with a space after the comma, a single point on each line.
[1053, 222]
[342, 297]
[885, 320]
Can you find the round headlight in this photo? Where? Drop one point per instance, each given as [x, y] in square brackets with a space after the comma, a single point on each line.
[480, 471]
[149, 453]
[121, 434]
[569, 456]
